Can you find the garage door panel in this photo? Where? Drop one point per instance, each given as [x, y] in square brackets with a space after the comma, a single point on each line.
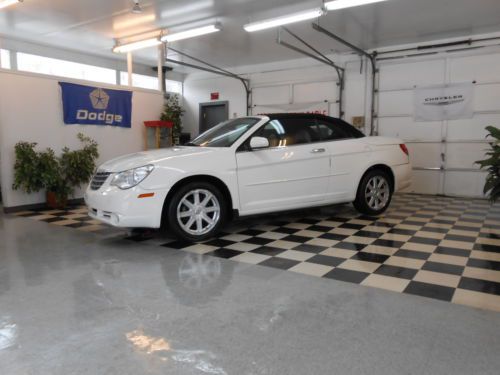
[465, 183]
[463, 155]
[425, 182]
[473, 129]
[406, 129]
[485, 68]
[403, 76]
[315, 92]
[486, 97]
[394, 103]
[425, 155]
[271, 95]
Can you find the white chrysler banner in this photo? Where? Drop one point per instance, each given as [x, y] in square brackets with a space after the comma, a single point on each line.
[447, 102]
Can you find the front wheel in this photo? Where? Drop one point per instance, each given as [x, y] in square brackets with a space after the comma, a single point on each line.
[197, 211]
[374, 193]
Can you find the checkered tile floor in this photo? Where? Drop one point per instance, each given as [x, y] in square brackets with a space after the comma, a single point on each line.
[437, 247]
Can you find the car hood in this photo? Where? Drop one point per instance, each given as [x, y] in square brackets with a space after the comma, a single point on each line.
[139, 159]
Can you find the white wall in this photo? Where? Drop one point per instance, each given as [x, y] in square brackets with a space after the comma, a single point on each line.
[31, 110]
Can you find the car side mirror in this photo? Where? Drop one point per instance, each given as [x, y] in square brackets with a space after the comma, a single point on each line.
[258, 143]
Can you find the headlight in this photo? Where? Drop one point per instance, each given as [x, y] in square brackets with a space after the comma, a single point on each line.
[132, 177]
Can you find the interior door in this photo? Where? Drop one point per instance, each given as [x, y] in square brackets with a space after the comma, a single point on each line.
[293, 172]
[212, 114]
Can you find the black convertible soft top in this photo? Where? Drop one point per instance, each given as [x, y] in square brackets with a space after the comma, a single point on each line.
[337, 121]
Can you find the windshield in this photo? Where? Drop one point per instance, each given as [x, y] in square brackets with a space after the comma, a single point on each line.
[224, 134]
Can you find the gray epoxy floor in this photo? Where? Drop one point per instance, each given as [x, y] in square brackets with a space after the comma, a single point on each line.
[75, 303]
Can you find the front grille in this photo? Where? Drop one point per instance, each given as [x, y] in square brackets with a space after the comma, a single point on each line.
[99, 179]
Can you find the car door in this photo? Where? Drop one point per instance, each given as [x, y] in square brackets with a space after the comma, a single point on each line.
[293, 172]
[348, 156]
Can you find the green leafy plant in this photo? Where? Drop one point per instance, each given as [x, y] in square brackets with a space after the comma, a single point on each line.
[492, 165]
[38, 170]
[172, 111]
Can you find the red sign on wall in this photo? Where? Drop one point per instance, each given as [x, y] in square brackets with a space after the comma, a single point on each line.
[214, 96]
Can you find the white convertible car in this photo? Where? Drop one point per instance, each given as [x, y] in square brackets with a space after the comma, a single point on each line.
[246, 166]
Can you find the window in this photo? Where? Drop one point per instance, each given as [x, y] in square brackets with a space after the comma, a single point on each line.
[173, 86]
[63, 68]
[290, 131]
[337, 129]
[140, 80]
[5, 58]
[224, 134]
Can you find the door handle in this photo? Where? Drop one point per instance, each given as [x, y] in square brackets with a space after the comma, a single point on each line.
[317, 150]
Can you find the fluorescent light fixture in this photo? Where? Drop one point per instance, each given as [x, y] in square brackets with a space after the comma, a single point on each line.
[6, 3]
[127, 47]
[191, 33]
[284, 20]
[342, 4]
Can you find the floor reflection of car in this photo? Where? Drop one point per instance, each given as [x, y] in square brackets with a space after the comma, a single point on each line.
[248, 166]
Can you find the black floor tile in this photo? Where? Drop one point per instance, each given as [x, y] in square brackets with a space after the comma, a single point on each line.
[388, 243]
[487, 264]
[286, 230]
[412, 254]
[452, 251]
[326, 260]
[308, 220]
[394, 271]
[280, 263]
[267, 250]
[333, 236]
[349, 246]
[251, 232]
[351, 226]
[443, 268]
[434, 230]
[370, 257]
[224, 253]
[258, 240]
[319, 228]
[439, 221]
[483, 286]
[489, 248]
[404, 232]
[454, 237]
[425, 241]
[430, 290]
[219, 242]
[469, 229]
[310, 248]
[346, 275]
[411, 222]
[294, 238]
[365, 233]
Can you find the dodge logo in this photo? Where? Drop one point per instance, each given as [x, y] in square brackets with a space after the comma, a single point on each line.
[99, 99]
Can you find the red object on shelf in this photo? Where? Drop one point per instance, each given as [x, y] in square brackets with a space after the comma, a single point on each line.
[158, 124]
[214, 96]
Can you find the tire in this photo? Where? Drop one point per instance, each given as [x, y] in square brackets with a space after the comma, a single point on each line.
[192, 220]
[374, 193]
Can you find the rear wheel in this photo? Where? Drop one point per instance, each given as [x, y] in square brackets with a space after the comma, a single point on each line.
[197, 211]
[374, 193]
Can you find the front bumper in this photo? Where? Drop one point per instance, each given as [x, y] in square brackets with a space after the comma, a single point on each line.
[124, 208]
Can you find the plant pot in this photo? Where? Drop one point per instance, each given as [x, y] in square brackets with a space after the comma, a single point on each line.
[54, 202]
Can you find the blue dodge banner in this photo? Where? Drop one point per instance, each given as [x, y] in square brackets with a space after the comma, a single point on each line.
[88, 105]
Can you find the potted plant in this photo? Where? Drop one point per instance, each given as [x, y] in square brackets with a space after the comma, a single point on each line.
[173, 112]
[34, 171]
[492, 165]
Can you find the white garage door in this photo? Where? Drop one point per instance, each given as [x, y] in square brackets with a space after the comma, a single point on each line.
[443, 152]
[317, 97]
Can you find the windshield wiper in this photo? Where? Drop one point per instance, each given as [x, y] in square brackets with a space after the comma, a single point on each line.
[191, 144]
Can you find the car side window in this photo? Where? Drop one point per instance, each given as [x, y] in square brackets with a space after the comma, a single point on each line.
[290, 131]
[337, 129]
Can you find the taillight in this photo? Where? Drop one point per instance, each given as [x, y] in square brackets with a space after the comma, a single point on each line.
[404, 149]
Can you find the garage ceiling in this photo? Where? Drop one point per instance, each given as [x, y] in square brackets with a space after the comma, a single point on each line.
[91, 26]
